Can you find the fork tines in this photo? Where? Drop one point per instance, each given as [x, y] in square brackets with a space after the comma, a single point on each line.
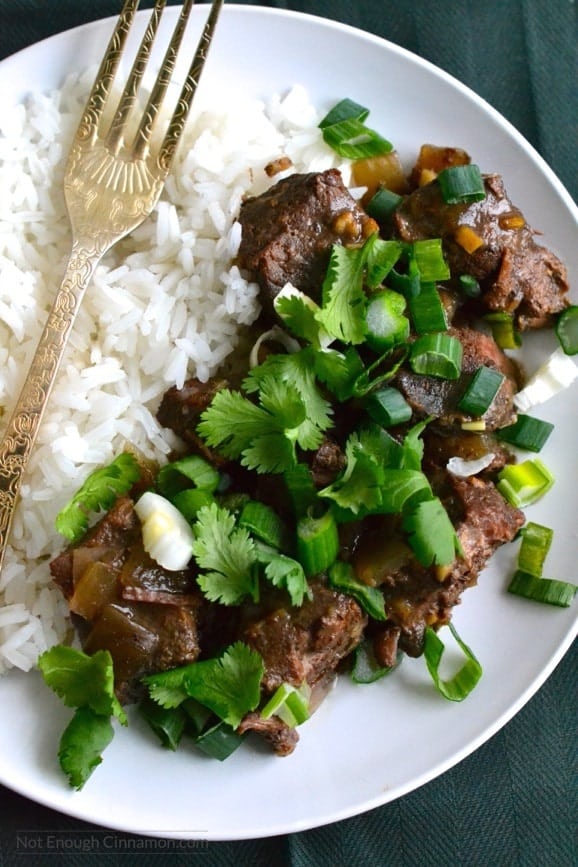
[109, 66]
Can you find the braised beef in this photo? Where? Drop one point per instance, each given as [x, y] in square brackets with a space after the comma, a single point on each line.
[305, 644]
[517, 275]
[417, 597]
[431, 396]
[288, 231]
[327, 463]
[282, 738]
[181, 408]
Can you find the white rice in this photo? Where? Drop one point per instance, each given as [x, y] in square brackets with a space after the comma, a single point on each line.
[165, 304]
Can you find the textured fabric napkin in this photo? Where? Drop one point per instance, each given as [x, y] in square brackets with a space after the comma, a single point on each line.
[514, 801]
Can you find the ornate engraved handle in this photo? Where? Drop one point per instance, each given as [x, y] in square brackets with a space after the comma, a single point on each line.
[22, 428]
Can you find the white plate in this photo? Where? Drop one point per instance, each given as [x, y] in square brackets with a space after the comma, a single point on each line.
[366, 745]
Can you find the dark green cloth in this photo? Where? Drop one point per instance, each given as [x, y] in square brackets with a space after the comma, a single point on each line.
[513, 802]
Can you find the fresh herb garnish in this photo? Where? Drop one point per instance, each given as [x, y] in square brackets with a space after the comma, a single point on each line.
[99, 491]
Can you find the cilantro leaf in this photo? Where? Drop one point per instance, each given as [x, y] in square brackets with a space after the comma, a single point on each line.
[81, 680]
[283, 571]
[228, 553]
[296, 373]
[298, 312]
[339, 371]
[359, 487]
[229, 685]
[431, 533]
[343, 312]
[232, 422]
[82, 743]
[99, 491]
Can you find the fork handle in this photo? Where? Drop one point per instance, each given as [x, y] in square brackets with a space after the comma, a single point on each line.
[26, 417]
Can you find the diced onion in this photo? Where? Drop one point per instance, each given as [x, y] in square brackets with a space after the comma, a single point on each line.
[463, 469]
[167, 536]
[558, 372]
[274, 335]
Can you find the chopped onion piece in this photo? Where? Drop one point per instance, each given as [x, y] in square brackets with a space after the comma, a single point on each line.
[275, 335]
[167, 536]
[556, 374]
[463, 469]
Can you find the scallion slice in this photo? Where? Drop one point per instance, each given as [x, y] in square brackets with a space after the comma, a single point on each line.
[317, 543]
[536, 541]
[264, 523]
[385, 323]
[426, 310]
[503, 331]
[429, 257]
[464, 680]
[469, 286]
[344, 130]
[388, 407]
[219, 741]
[548, 590]
[342, 577]
[567, 330]
[437, 355]
[461, 184]
[382, 205]
[289, 703]
[526, 433]
[481, 391]
[525, 483]
[366, 668]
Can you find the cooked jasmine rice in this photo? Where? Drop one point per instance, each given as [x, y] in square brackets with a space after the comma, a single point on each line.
[165, 304]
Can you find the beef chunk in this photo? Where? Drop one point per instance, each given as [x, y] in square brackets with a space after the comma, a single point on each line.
[282, 738]
[305, 644]
[181, 408]
[417, 597]
[517, 275]
[106, 542]
[428, 395]
[288, 231]
[327, 462]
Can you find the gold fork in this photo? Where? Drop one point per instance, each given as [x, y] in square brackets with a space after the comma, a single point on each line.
[111, 185]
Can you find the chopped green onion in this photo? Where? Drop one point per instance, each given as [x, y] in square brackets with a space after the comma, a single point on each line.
[345, 132]
[437, 355]
[526, 433]
[481, 391]
[317, 543]
[429, 258]
[388, 407]
[342, 577]
[189, 502]
[567, 330]
[301, 488]
[366, 668]
[461, 184]
[469, 286]
[167, 723]
[463, 682]
[525, 483]
[503, 331]
[536, 541]
[548, 590]
[290, 704]
[386, 324]
[427, 310]
[176, 476]
[219, 741]
[344, 110]
[264, 523]
[382, 205]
